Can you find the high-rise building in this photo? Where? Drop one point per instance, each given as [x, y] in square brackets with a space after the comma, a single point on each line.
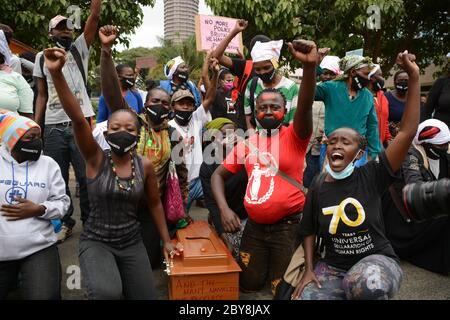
[179, 19]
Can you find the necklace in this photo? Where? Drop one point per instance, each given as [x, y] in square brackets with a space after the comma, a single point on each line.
[133, 174]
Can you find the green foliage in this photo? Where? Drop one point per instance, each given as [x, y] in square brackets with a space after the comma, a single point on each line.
[30, 19]
[417, 25]
[187, 50]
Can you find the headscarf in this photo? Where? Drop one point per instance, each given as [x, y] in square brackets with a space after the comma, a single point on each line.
[4, 48]
[331, 63]
[271, 50]
[213, 126]
[374, 70]
[432, 131]
[348, 63]
[171, 67]
[13, 127]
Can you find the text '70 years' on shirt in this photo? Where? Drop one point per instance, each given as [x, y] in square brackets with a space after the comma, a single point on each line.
[349, 216]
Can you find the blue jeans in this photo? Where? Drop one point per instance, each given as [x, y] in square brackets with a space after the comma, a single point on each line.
[358, 163]
[40, 275]
[195, 192]
[59, 144]
[110, 273]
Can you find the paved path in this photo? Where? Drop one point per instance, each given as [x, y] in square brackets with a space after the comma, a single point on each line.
[418, 284]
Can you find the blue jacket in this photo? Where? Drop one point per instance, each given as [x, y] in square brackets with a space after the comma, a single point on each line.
[133, 99]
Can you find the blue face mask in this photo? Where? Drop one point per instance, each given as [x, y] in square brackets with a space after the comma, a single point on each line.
[347, 172]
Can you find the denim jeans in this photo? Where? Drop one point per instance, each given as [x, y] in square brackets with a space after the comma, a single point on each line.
[195, 192]
[266, 250]
[59, 144]
[40, 275]
[110, 273]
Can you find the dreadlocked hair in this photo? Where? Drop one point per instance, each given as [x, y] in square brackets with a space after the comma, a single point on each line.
[273, 90]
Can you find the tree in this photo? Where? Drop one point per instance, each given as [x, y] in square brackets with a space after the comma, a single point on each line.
[187, 50]
[420, 26]
[30, 19]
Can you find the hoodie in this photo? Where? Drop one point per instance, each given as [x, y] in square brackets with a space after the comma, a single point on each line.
[41, 182]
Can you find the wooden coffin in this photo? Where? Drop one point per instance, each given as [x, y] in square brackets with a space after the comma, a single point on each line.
[206, 270]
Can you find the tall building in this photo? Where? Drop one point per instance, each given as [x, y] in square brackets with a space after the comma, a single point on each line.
[179, 19]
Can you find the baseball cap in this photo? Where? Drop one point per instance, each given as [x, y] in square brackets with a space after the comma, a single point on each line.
[57, 20]
[181, 94]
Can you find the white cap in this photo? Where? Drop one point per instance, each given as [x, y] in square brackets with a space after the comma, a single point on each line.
[56, 20]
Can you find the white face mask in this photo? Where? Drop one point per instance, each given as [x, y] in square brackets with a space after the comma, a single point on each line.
[347, 172]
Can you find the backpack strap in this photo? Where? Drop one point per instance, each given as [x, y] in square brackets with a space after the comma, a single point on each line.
[251, 102]
[77, 57]
[41, 65]
[283, 175]
[317, 185]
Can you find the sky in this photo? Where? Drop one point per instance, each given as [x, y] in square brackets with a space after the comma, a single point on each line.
[153, 26]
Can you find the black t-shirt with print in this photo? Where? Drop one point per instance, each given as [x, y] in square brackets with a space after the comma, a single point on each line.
[223, 107]
[350, 220]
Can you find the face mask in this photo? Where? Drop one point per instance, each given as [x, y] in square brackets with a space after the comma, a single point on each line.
[271, 123]
[359, 82]
[434, 153]
[344, 173]
[29, 150]
[228, 86]
[184, 75]
[379, 85]
[127, 83]
[157, 113]
[401, 87]
[268, 76]
[121, 142]
[183, 117]
[63, 43]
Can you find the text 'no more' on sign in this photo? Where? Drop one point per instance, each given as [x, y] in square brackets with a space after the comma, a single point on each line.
[211, 30]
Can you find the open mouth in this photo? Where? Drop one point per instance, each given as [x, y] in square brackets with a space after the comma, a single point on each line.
[336, 156]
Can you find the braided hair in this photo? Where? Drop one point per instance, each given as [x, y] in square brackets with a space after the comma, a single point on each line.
[273, 90]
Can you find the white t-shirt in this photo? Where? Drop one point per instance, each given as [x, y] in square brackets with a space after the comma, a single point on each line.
[55, 113]
[98, 131]
[192, 139]
[434, 167]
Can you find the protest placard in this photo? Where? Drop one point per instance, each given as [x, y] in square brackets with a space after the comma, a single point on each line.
[210, 30]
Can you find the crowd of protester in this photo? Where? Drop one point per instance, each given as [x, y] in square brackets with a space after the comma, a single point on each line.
[355, 173]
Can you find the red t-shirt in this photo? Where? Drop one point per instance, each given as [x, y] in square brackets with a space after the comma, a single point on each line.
[270, 198]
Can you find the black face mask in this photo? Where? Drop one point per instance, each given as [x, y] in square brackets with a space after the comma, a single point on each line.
[184, 75]
[402, 87]
[157, 113]
[270, 123]
[268, 76]
[359, 82]
[434, 153]
[63, 43]
[379, 85]
[183, 117]
[127, 83]
[121, 142]
[29, 150]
